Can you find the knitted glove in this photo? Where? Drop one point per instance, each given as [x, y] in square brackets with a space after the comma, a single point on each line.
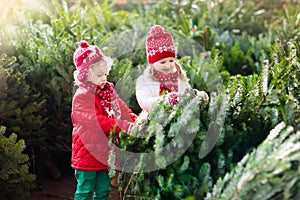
[173, 98]
[202, 94]
[124, 125]
[128, 131]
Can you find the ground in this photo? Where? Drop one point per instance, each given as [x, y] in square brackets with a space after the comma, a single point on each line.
[61, 189]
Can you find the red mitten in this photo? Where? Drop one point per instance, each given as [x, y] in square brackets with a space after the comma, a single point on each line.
[133, 116]
[124, 125]
[128, 131]
[173, 98]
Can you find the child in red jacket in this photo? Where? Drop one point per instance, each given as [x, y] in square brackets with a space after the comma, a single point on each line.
[96, 111]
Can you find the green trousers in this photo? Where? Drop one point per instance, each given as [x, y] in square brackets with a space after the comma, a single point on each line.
[91, 183]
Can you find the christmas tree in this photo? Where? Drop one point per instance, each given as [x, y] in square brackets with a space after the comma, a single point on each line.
[15, 178]
[271, 171]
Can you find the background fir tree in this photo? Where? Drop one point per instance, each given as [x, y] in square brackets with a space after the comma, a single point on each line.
[257, 104]
[20, 109]
[15, 179]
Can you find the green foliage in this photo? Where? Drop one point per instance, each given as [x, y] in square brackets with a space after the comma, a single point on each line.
[167, 129]
[287, 26]
[236, 60]
[242, 53]
[22, 111]
[229, 27]
[205, 72]
[271, 171]
[257, 103]
[241, 118]
[123, 74]
[46, 58]
[15, 179]
[237, 16]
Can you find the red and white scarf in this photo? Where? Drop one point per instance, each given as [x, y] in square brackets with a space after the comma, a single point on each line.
[109, 101]
[168, 82]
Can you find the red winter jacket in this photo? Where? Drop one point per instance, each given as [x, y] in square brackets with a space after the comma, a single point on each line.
[92, 124]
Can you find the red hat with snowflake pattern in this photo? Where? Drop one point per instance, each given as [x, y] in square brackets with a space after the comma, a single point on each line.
[86, 55]
[159, 45]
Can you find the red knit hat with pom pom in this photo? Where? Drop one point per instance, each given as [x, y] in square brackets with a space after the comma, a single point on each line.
[159, 45]
[86, 55]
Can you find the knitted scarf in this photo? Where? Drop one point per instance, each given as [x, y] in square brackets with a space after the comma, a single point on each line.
[168, 82]
[109, 101]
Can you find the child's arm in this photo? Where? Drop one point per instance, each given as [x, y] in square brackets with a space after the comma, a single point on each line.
[145, 91]
[87, 114]
[183, 85]
[126, 112]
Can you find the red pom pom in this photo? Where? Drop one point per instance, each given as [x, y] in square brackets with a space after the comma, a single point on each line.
[157, 31]
[83, 44]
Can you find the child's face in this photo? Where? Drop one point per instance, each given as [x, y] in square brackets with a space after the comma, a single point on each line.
[166, 65]
[98, 73]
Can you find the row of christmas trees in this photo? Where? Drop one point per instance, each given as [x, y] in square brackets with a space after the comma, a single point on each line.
[260, 88]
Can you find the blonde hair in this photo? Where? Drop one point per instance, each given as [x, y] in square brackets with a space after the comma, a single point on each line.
[182, 74]
[103, 64]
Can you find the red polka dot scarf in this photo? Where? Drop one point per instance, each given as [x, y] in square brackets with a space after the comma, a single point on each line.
[168, 82]
[109, 101]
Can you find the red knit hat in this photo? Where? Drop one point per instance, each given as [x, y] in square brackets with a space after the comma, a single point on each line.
[86, 55]
[159, 45]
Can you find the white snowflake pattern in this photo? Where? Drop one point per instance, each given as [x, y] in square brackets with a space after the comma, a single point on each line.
[152, 52]
[110, 113]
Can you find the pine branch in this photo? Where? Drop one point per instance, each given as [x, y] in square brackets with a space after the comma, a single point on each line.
[265, 172]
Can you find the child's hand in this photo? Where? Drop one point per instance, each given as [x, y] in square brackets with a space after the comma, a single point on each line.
[202, 94]
[129, 129]
[132, 126]
[173, 98]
